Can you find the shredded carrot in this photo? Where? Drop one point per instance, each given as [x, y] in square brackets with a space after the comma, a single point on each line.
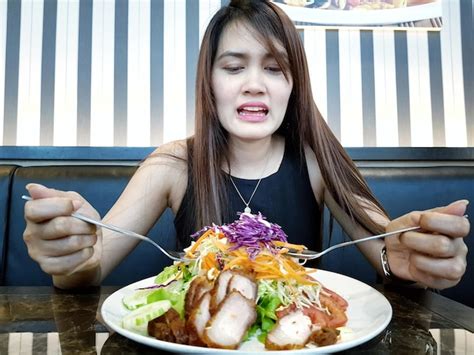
[265, 265]
[205, 235]
[209, 261]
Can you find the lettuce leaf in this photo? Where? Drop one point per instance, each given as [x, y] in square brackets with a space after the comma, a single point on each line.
[174, 292]
[266, 317]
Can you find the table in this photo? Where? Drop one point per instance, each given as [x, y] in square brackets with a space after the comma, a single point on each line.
[45, 320]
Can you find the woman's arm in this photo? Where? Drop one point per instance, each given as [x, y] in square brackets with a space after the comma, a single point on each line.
[160, 182]
[77, 254]
[370, 249]
[434, 256]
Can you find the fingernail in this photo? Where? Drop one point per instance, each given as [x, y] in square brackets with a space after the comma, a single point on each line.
[31, 185]
[77, 204]
[465, 202]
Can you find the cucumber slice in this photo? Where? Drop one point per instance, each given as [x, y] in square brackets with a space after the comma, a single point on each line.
[137, 299]
[137, 320]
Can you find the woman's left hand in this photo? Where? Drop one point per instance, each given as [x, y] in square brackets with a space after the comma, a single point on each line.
[434, 256]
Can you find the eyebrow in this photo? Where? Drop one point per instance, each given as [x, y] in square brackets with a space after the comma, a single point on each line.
[242, 55]
[239, 55]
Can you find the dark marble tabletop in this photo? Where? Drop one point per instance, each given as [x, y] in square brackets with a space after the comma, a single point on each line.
[40, 320]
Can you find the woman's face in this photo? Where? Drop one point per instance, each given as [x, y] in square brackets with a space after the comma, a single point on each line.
[249, 87]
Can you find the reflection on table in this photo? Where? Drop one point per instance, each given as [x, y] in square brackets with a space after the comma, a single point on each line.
[44, 320]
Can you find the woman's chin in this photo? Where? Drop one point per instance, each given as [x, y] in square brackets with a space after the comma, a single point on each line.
[254, 134]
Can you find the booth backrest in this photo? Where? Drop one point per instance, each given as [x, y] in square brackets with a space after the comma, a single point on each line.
[6, 174]
[401, 186]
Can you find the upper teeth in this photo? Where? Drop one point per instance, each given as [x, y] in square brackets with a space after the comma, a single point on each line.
[253, 109]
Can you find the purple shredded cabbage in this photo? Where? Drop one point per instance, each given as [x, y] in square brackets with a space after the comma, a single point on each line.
[156, 286]
[252, 232]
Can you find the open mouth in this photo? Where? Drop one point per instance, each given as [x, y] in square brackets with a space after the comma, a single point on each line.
[252, 111]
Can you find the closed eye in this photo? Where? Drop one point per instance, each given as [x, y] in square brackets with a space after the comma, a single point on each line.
[274, 69]
[235, 69]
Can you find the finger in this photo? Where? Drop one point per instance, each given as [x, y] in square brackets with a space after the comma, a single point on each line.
[451, 225]
[411, 219]
[64, 265]
[450, 268]
[457, 208]
[431, 281]
[38, 191]
[44, 209]
[432, 244]
[64, 226]
[67, 245]
[34, 233]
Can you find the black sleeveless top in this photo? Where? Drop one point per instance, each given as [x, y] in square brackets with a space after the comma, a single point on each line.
[285, 198]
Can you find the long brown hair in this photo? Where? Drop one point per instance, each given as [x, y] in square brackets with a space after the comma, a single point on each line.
[302, 124]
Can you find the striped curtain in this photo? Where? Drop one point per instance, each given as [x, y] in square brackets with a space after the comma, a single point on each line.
[122, 73]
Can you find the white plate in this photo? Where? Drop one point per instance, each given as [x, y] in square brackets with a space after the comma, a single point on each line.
[363, 17]
[368, 314]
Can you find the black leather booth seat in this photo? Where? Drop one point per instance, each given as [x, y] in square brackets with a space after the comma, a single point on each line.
[6, 173]
[404, 179]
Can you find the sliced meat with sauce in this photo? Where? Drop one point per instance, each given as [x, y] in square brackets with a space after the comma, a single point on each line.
[203, 287]
[334, 317]
[177, 325]
[189, 298]
[198, 319]
[159, 329]
[325, 336]
[198, 287]
[227, 327]
[245, 284]
[219, 290]
[169, 327]
[290, 332]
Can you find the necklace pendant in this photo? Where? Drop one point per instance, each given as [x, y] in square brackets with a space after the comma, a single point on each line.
[247, 209]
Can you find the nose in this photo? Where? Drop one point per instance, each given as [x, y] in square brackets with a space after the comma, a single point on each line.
[254, 82]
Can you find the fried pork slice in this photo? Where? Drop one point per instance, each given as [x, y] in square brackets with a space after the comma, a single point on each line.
[159, 329]
[169, 327]
[189, 298]
[219, 291]
[196, 290]
[198, 319]
[325, 336]
[290, 332]
[203, 287]
[177, 325]
[229, 324]
[245, 284]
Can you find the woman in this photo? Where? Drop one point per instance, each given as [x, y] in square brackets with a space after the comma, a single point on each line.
[260, 144]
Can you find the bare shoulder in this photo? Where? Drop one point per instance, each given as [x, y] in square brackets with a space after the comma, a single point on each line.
[314, 172]
[168, 151]
[166, 170]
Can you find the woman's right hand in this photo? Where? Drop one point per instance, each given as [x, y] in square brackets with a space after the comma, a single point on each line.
[62, 245]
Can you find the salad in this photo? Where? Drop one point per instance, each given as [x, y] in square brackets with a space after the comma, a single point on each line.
[239, 283]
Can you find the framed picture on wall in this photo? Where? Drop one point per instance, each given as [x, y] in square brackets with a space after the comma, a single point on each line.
[401, 14]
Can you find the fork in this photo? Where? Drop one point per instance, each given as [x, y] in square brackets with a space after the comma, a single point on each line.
[173, 255]
[310, 254]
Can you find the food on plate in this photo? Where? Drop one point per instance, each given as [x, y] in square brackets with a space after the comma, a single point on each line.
[238, 284]
[355, 4]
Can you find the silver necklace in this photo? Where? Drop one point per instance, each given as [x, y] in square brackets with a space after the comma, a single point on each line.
[247, 209]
